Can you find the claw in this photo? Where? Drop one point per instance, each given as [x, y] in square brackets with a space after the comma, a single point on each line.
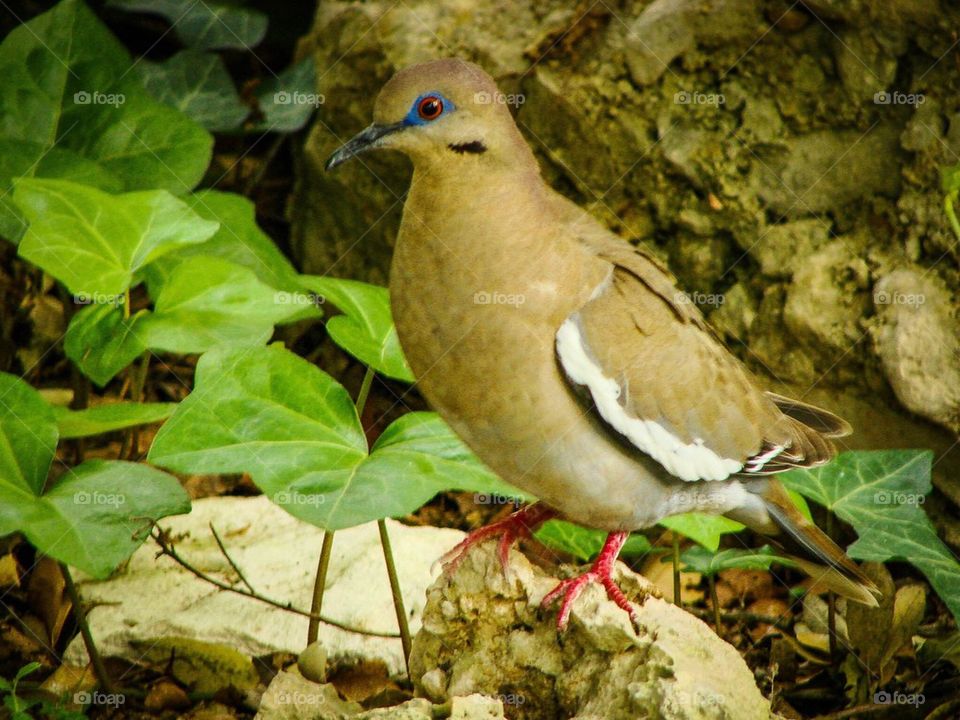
[520, 524]
[600, 572]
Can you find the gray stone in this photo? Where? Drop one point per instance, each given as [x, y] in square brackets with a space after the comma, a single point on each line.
[291, 697]
[501, 644]
[918, 341]
[155, 598]
[827, 299]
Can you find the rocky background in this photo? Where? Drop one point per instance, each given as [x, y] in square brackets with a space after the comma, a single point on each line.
[784, 159]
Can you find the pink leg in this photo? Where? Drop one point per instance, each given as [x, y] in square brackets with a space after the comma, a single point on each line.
[601, 572]
[520, 524]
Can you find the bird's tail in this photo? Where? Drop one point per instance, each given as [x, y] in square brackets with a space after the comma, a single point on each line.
[808, 546]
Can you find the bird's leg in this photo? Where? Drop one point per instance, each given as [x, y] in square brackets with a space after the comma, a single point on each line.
[601, 571]
[520, 524]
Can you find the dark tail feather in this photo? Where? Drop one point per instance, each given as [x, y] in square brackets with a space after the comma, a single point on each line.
[824, 422]
[810, 548]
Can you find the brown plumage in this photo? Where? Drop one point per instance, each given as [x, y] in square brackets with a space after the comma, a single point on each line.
[565, 358]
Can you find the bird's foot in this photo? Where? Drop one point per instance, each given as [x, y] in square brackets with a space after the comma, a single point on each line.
[520, 524]
[602, 572]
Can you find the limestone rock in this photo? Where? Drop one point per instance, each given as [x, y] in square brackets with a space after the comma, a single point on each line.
[826, 300]
[488, 635]
[154, 598]
[291, 697]
[918, 341]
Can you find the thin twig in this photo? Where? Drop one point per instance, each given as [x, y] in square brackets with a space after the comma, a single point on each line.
[712, 580]
[235, 567]
[99, 669]
[396, 592]
[166, 548]
[319, 585]
[831, 601]
[676, 570]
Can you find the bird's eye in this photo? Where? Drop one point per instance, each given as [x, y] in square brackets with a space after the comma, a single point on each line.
[430, 107]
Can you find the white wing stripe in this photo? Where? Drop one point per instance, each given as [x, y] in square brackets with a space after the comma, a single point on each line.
[688, 461]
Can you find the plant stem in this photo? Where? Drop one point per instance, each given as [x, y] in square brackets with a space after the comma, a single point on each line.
[319, 583]
[138, 375]
[323, 564]
[676, 570]
[396, 592]
[166, 548]
[951, 213]
[364, 391]
[99, 668]
[716, 604]
[831, 600]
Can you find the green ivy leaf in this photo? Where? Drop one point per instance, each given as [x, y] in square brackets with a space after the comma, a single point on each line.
[211, 24]
[197, 84]
[107, 418]
[93, 517]
[94, 242]
[365, 330]
[72, 110]
[288, 100]
[239, 240]
[207, 302]
[295, 430]
[584, 543]
[700, 559]
[702, 528]
[880, 494]
[101, 341]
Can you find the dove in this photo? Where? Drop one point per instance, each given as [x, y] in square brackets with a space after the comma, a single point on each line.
[566, 358]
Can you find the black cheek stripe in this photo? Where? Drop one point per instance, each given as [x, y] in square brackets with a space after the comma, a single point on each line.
[476, 147]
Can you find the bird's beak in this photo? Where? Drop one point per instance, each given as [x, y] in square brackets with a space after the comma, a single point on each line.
[367, 139]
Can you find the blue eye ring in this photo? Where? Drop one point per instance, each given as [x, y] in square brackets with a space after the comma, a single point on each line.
[427, 108]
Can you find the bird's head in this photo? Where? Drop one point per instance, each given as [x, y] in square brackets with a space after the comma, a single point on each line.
[437, 111]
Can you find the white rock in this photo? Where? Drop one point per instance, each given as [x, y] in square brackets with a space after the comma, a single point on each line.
[154, 597]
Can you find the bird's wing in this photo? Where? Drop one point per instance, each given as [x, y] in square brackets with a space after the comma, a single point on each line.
[645, 360]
